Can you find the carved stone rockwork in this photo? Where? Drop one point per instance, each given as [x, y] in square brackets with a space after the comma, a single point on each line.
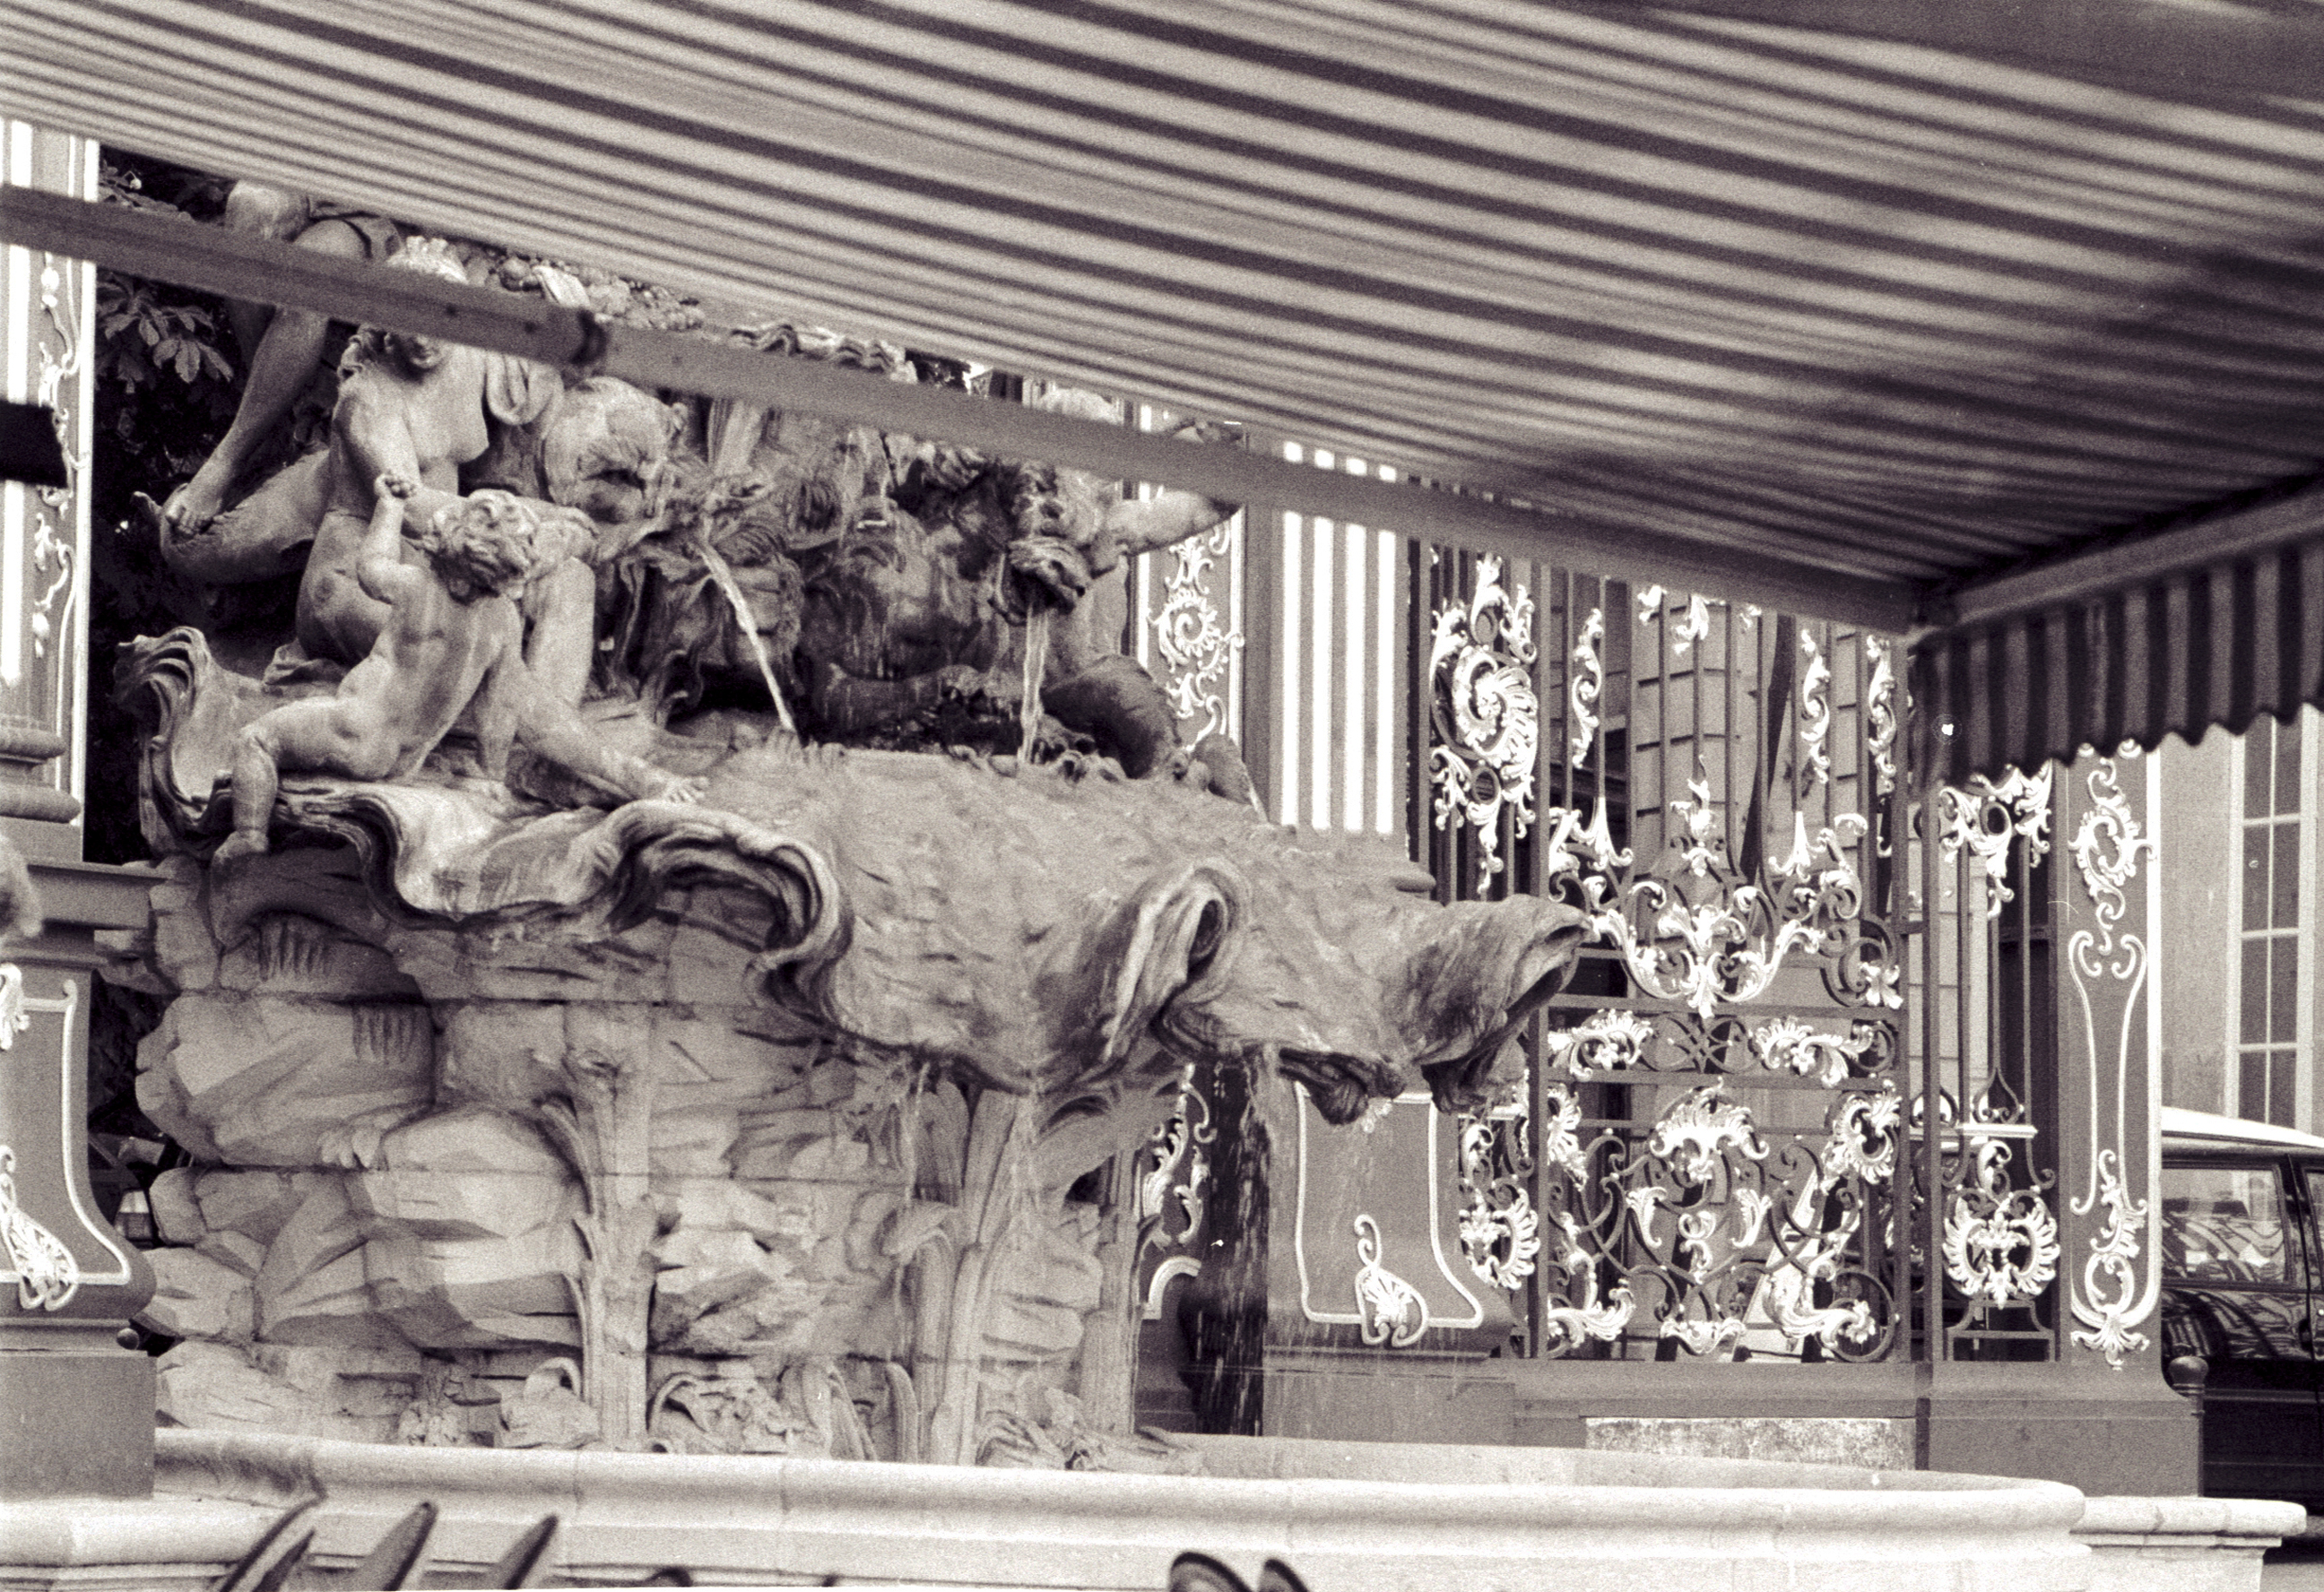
[759, 1114]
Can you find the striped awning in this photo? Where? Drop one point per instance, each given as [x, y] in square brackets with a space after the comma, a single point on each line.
[1901, 301]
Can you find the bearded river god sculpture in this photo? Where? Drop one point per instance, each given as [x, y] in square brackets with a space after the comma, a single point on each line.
[530, 1115]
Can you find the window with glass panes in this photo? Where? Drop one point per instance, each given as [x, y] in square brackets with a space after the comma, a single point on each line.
[2268, 1003]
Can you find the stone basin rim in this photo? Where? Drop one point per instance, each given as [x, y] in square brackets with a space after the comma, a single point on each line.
[266, 1468]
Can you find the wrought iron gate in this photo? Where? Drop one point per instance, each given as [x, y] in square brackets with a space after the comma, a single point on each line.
[1722, 1147]
[1808, 999]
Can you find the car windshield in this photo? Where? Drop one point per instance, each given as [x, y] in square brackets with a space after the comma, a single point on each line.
[2224, 1224]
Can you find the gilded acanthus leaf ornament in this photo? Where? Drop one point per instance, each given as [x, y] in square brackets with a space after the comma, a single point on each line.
[2106, 846]
[1880, 713]
[1722, 1234]
[13, 1017]
[1486, 719]
[1606, 1041]
[1500, 1231]
[1789, 1045]
[1815, 710]
[1566, 1326]
[2000, 1243]
[1180, 1167]
[2109, 1299]
[1589, 681]
[1862, 1132]
[1392, 1311]
[1192, 636]
[57, 390]
[2109, 1302]
[1695, 1133]
[1985, 818]
[1711, 938]
[1693, 624]
[47, 1276]
[1560, 1131]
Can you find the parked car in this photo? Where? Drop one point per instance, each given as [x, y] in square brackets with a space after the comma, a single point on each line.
[2242, 1275]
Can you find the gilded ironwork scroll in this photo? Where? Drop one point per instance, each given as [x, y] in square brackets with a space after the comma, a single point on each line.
[1486, 719]
[1710, 1232]
[1192, 634]
[2106, 1296]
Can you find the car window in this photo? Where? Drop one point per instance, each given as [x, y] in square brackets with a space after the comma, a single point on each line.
[2224, 1224]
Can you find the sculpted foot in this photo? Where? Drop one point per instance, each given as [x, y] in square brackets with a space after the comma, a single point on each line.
[194, 505]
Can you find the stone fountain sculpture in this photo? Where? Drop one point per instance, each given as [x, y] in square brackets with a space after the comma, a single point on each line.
[780, 1120]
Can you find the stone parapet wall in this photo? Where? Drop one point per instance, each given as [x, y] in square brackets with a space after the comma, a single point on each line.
[1340, 1514]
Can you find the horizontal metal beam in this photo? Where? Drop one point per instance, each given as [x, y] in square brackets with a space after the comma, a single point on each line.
[215, 260]
[2105, 570]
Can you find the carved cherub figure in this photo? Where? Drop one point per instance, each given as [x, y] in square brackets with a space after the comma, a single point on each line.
[452, 639]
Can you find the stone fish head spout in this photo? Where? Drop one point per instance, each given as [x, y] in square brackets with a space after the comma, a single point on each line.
[1078, 943]
[1357, 993]
[1482, 969]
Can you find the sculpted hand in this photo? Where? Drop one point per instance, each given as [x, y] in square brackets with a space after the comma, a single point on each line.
[395, 486]
[670, 787]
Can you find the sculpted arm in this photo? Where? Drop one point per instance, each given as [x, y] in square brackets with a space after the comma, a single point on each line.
[552, 730]
[499, 700]
[1171, 517]
[1163, 521]
[379, 562]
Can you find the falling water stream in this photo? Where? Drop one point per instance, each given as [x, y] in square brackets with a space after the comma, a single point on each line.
[1036, 663]
[723, 574]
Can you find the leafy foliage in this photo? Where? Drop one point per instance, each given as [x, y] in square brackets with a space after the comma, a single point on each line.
[175, 337]
[165, 373]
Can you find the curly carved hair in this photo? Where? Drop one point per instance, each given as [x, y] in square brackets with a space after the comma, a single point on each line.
[495, 541]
